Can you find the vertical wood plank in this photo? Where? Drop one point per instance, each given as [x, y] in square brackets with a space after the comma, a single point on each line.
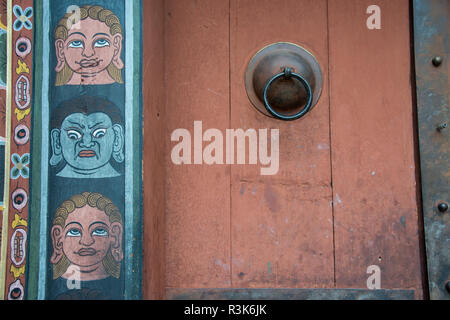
[431, 39]
[154, 148]
[198, 196]
[282, 232]
[375, 205]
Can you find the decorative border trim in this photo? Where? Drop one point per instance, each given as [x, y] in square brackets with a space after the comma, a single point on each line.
[17, 150]
[4, 243]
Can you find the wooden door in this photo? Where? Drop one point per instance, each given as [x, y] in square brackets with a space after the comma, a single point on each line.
[345, 196]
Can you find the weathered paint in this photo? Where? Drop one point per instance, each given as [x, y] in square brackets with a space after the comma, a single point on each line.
[197, 196]
[431, 37]
[372, 139]
[300, 251]
[345, 194]
[154, 193]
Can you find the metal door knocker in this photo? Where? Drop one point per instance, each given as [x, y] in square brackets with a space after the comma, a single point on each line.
[284, 81]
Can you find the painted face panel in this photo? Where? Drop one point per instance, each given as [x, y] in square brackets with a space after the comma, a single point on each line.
[87, 140]
[89, 50]
[86, 237]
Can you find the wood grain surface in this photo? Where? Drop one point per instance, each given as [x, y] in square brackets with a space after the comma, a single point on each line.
[344, 197]
[374, 187]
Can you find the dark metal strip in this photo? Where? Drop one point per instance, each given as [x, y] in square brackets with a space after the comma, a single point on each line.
[431, 62]
[288, 294]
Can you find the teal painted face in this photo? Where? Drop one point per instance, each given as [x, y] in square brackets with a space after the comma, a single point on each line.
[87, 140]
[87, 143]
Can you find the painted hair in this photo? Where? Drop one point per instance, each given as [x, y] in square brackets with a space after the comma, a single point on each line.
[85, 105]
[94, 200]
[96, 13]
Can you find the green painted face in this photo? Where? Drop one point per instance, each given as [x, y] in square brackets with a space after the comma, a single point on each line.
[87, 141]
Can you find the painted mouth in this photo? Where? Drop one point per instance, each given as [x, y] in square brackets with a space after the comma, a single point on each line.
[87, 154]
[86, 252]
[85, 63]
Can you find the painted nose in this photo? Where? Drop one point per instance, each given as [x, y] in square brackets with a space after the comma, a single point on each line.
[88, 52]
[86, 239]
[86, 142]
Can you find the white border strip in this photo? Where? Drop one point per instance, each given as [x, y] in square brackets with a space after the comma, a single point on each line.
[44, 150]
[129, 112]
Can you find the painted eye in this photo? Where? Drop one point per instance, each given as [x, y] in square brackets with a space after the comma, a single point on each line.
[76, 44]
[99, 133]
[100, 232]
[74, 135]
[74, 233]
[100, 43]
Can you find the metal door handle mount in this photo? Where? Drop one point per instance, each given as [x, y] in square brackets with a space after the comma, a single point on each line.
[284, 81]
[287, 74]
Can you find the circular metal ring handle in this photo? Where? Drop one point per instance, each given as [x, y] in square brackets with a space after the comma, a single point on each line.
[288, 74]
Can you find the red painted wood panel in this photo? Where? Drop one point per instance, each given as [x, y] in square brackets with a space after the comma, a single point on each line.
[282, 233]
[154, 166]
[345, 194]
[376, 216]
[198, 196]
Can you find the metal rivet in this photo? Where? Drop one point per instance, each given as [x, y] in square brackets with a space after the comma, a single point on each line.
[437, 61]
[441, 127]
[287, 72]
[447, 286]
[442, 207]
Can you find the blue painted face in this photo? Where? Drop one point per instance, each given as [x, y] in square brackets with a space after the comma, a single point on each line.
[87, 143]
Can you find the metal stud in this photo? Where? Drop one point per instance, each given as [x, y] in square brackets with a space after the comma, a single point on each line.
[441, 127]
[442, 207]
[437, 61]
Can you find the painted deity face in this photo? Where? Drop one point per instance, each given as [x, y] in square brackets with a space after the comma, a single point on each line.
[89, 50]
[87, 236]
[87, 141]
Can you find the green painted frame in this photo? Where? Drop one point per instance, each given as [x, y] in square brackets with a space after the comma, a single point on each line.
[133, 224]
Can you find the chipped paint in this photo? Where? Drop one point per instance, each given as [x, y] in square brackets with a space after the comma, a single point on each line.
[323, 146]
[271, 198]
